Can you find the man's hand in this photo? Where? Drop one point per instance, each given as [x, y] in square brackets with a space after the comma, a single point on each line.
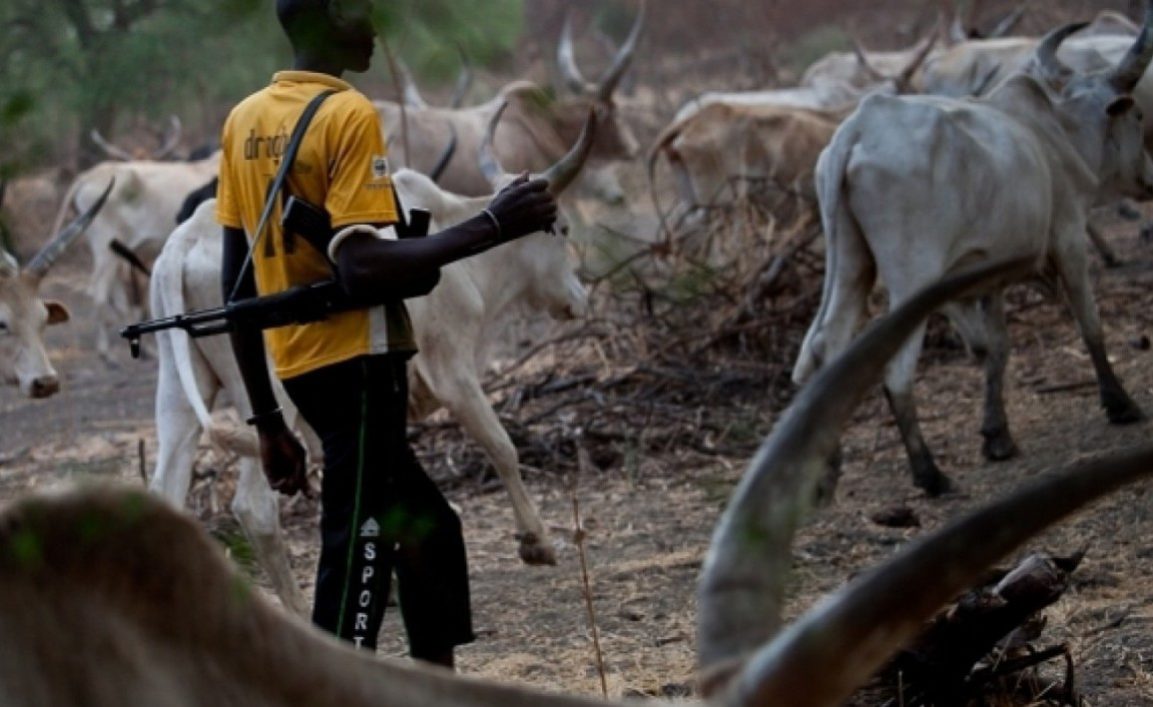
[523, 207]
[283, 459]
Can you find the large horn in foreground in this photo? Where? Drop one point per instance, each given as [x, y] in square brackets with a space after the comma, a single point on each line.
[741, 592]
[561, 174]
[38, 266]
[1052, 68]
[490, 166]
[1125, 77]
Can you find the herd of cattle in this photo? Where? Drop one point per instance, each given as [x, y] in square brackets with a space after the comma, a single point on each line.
[920, 163]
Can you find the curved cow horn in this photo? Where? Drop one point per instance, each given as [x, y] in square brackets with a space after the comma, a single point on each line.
[171, 138]
[111, 150]
[1125, 77]
[612, 76]
[8, 265]
[463, 80]
[1009, 22]
[1052, 68]
[445, 157]
[905, 78]
[489, 164]
[412, 97]
[566, 61]
[863, 61]
[561, 174]
[38, 266]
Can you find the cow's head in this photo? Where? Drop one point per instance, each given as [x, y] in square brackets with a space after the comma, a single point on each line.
[863, 72]
[552, 284]
[614, 139]
[1098, 111]
[24, 315]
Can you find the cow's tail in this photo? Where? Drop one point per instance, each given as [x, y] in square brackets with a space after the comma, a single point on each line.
[840, 227]
[660, 146]
[168, 288]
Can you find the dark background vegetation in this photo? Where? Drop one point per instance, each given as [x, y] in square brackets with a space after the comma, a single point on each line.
[124, 66]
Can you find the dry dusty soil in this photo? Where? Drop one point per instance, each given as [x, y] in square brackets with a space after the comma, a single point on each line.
[649, 518]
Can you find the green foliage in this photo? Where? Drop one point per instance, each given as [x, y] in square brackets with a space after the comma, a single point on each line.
[67, 66]
[427, 32]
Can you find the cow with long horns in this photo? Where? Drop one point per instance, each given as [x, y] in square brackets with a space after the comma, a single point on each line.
[23, 314]
[537, 128]
[912, 188]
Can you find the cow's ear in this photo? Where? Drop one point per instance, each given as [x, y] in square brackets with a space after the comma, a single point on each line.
[1119, 105]
[57, 312]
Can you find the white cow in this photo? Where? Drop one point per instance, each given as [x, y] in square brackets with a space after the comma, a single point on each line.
[537, 128]
[111, 597]
[140, 213]
[23, 314]
[913, 188]
[454, 327]
[836, 82]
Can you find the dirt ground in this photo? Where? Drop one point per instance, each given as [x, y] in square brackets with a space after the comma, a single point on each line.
[649, 508]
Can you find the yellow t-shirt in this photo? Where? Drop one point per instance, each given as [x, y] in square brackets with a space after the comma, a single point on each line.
[341, 165]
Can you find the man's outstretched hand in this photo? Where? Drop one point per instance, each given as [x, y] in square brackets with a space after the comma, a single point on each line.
[524, 206]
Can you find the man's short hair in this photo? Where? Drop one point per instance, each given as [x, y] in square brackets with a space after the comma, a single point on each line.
[302, 18]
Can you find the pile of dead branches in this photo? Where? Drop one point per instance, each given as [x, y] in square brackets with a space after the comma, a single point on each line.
[688, 351]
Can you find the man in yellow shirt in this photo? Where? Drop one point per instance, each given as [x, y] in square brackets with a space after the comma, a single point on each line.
[347, 373]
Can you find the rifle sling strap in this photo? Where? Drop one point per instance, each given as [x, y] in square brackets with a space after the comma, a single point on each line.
[274, 189]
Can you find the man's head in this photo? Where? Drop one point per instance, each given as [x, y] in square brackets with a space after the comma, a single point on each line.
[334, 35]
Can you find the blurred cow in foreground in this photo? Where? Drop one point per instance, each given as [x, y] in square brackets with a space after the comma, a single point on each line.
[454, 325]
[153, 614]
[1013, 175]
[23, 314]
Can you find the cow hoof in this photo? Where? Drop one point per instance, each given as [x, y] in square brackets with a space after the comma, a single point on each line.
[1123, 411]
[933, 483]
[533, 552]
[999, 446]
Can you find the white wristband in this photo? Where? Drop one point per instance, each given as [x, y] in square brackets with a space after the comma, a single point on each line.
[388, 233]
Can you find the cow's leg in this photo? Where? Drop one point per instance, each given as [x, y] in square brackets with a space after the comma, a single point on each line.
[899, 392]
[1102, 246]
[1073, 272]
[465, 399]
[255, 507]
[995, 427]
[982, 326]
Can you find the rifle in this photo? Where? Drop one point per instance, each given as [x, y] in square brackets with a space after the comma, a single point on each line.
[297, 305]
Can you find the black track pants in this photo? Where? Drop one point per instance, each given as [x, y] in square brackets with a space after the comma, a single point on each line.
[380, 512]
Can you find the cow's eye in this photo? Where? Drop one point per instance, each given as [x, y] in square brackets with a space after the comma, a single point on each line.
[3, 328]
